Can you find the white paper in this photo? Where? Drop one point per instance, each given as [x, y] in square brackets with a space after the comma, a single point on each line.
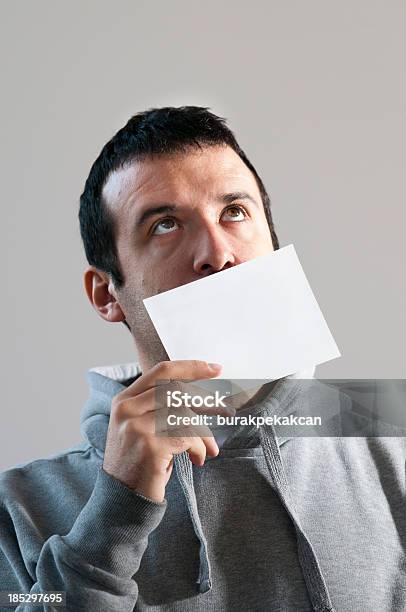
[259, 319]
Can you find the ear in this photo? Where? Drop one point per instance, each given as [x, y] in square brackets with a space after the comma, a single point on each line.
[102, 295]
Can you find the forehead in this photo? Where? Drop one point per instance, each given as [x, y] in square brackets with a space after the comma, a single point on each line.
[180, 176]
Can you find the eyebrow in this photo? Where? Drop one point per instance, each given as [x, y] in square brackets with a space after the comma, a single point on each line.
[226, 198]
[229, 198]
[155, 210]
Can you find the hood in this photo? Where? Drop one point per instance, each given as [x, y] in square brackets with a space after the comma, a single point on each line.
[106, 382]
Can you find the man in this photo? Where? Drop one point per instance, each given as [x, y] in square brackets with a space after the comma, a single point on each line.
[129, 520]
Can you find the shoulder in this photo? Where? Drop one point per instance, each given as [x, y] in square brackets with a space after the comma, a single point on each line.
[37, 479]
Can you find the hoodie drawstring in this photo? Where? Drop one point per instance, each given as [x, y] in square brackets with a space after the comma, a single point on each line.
[183, 467]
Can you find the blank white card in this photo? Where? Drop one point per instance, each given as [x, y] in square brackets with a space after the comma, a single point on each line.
[259, 319]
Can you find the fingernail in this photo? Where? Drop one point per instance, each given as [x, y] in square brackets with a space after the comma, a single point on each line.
[216, 367]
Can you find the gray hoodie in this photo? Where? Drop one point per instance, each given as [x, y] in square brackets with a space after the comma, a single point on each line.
[274, 523]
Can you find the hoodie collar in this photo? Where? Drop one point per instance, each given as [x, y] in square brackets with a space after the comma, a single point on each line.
[104, 383]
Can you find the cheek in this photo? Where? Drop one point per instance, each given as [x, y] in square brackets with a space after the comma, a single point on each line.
[256, 249]
[148, 283]
[156, 280]
[265, 246]
[264, 236]
[259, 242]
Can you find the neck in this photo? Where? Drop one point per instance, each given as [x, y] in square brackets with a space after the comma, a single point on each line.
[148, 359]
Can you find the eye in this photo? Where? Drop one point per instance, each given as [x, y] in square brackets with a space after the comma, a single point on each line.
[164, 226]
[236, 213]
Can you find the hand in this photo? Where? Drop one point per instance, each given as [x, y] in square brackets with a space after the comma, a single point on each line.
[134, 454]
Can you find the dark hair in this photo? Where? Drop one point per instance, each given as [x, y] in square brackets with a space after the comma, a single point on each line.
[158, 131]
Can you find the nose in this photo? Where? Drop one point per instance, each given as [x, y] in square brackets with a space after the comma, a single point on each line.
[212, 251]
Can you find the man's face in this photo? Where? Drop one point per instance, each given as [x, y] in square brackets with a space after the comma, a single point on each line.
[179, 218]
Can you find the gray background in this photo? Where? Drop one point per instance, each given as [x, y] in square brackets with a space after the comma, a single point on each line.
[315, 92]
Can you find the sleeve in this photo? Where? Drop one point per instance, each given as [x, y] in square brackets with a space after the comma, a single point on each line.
[96, 561]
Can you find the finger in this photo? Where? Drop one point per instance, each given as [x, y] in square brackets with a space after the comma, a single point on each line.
[172, 370]
[181, 431]
[126, 407]
[200, 399]
[185, 423]
[211, 445]
[206, 446]
[155, 422]
[197, 451]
